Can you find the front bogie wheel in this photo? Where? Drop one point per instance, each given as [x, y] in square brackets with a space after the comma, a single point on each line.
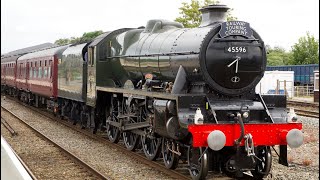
[198, 163]
[264, 162]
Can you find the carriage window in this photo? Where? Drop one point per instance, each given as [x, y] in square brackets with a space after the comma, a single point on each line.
[23, 70]
[45, 74]
[20, 72]
[40, 64]
[34, 72]
[49, 71]
[45, 63]
[39, 72]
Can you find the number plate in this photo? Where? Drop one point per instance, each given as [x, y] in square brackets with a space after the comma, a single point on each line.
[236, 49]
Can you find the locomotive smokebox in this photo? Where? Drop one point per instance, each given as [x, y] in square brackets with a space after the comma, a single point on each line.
[213, 13]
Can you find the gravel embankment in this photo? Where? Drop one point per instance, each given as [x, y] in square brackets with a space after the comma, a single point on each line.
[305, 159]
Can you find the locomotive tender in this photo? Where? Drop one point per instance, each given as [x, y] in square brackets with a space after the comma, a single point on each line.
[187, 94]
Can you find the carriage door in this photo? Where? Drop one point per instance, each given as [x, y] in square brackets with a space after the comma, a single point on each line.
[3, 73]
[27, 75]
[91, 77]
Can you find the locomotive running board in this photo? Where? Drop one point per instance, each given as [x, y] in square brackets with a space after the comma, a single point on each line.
[144, 93]
[130, 126]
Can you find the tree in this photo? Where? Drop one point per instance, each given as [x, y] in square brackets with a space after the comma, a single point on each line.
[62, 41]
[86, 37]
[191, 16]
[278, 56]
[306, 51]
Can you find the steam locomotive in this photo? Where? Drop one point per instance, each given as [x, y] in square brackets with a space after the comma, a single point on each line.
[177, 93]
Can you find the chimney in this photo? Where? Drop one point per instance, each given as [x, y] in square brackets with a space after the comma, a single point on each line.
[213, 13]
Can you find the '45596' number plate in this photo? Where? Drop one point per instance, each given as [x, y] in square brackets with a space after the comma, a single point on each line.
[236, 49]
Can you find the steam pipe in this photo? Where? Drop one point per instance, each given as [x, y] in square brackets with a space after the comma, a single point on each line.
[237, 142]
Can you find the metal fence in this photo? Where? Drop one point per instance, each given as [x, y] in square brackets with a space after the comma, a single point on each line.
[303, 91]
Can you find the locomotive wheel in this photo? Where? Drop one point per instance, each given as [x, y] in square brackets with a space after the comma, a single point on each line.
[263, 167]
[112, 131]
[83, 119]
[130, 139]
[170, 159]
[150, 146]
[229, 169]
[198, 167]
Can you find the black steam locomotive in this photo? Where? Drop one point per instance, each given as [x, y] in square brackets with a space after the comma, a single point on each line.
[187, 94]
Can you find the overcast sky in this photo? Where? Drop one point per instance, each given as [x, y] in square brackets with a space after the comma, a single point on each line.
[30, 22]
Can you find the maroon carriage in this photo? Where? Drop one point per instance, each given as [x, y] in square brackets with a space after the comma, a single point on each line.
[8, 73]
[37, 75]
[9, 68]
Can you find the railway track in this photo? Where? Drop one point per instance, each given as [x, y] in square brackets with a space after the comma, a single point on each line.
[7, 125]
[306, 113]
[306, 109]
[179, 173]
[63, 158]
[304, 104]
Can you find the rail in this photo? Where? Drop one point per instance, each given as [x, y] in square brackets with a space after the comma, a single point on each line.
[307, 109]
[7, 125]
[306, 113]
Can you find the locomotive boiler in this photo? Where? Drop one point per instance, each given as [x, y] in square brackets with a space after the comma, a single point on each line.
[204, 53]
